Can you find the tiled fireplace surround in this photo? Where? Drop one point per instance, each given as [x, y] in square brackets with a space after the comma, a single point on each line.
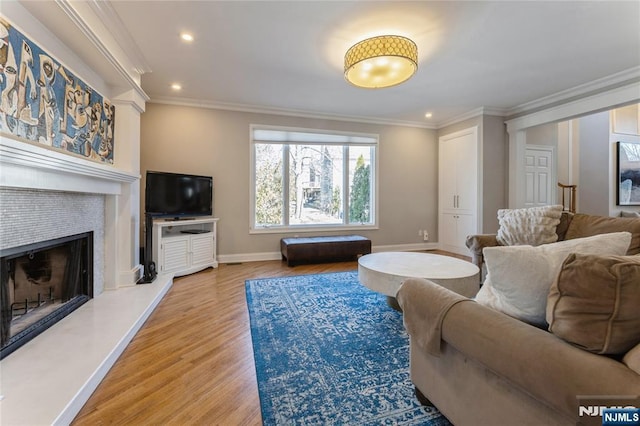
[44, 195]
[33, 215]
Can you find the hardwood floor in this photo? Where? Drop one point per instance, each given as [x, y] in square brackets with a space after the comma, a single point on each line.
[192, 361]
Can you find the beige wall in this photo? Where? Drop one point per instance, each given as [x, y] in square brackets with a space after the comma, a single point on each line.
[593, 187]
[215, 142]
[495, 171]
[545, 134]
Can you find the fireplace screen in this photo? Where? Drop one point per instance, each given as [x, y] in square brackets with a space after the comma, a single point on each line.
[41, 284]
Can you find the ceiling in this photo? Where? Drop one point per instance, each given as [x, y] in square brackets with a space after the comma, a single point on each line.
[287, 56]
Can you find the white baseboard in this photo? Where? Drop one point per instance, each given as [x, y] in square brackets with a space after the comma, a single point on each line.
[405, 247]
[454, 249]
[249, 257]
[276, 255]
[131, 277]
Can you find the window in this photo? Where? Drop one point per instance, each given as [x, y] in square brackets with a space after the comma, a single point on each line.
[312, 179]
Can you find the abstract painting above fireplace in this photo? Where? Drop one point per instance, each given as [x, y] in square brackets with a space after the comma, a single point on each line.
[42, 101]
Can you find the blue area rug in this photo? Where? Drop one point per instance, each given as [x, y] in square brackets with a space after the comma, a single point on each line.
[330, 351]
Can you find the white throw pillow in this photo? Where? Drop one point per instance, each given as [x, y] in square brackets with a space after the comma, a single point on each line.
[519, 277]
[532, 226]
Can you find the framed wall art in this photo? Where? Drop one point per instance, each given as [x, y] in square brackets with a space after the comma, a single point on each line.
[628, 174]
[43, 102]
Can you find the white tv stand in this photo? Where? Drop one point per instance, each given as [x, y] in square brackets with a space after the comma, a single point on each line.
[184, 246]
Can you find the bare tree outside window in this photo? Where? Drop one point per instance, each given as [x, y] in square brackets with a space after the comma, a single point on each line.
[313, 183]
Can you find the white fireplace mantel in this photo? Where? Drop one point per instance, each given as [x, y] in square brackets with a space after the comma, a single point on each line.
[27, 165]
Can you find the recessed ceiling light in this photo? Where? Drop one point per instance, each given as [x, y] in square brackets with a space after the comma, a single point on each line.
[428, 115]
[176, 86]
[186, 37]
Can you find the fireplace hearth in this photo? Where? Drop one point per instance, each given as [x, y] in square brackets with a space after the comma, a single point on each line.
[42, 283]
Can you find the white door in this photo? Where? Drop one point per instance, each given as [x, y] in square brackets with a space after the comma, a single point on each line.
[467, 173]
[458, 189]
[540, 172]
[448, 176]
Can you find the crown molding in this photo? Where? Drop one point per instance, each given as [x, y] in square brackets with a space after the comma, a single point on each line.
[499, 112]
[601, 85]
[110, 18]
[68, 8]
[601, 101]
[286, 112]
[625, 77]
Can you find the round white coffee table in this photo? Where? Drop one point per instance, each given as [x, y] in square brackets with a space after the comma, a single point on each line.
[384, 272]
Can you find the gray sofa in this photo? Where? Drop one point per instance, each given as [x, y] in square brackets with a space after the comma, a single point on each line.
[482, 367]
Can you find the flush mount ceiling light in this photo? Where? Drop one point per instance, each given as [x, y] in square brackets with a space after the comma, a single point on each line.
[188, 37]
[381, 61]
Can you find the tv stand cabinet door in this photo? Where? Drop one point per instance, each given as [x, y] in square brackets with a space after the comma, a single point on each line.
[174, 254]
[202, 252]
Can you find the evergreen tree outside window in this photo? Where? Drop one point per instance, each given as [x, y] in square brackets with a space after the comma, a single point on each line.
[307, 178]
[360, 203]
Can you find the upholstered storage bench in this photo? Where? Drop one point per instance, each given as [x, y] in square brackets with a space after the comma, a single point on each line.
[323, 249]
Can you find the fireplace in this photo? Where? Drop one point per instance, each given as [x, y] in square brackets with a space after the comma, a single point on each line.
[47, 195]
[40, 284]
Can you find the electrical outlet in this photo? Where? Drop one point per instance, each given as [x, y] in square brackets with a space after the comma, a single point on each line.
[425, 235]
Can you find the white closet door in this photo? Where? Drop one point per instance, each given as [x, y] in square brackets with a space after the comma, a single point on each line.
[458, 189]
[467, 173]
[448, 176]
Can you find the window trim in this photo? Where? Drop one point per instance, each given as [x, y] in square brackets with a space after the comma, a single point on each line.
[282, 229]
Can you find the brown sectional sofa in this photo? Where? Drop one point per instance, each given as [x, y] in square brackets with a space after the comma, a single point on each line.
[479, 366]
[494, 370]
[571, 226]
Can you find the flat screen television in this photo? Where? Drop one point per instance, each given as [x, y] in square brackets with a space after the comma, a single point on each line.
[178, 195]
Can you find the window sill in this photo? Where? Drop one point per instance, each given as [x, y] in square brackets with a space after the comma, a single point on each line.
[311, 228]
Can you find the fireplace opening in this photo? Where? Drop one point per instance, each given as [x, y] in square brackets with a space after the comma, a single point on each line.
[42, 283]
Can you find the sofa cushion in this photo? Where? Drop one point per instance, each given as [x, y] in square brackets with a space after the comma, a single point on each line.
[632, 359]
[562, 227]
[595, 303]
[532, 226]
[519, 277]
[629, 214]
[583, 225]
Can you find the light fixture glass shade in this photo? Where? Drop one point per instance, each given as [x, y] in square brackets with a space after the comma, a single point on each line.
[381, 61]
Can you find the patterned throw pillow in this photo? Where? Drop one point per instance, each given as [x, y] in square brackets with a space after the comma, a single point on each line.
[532, 226]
